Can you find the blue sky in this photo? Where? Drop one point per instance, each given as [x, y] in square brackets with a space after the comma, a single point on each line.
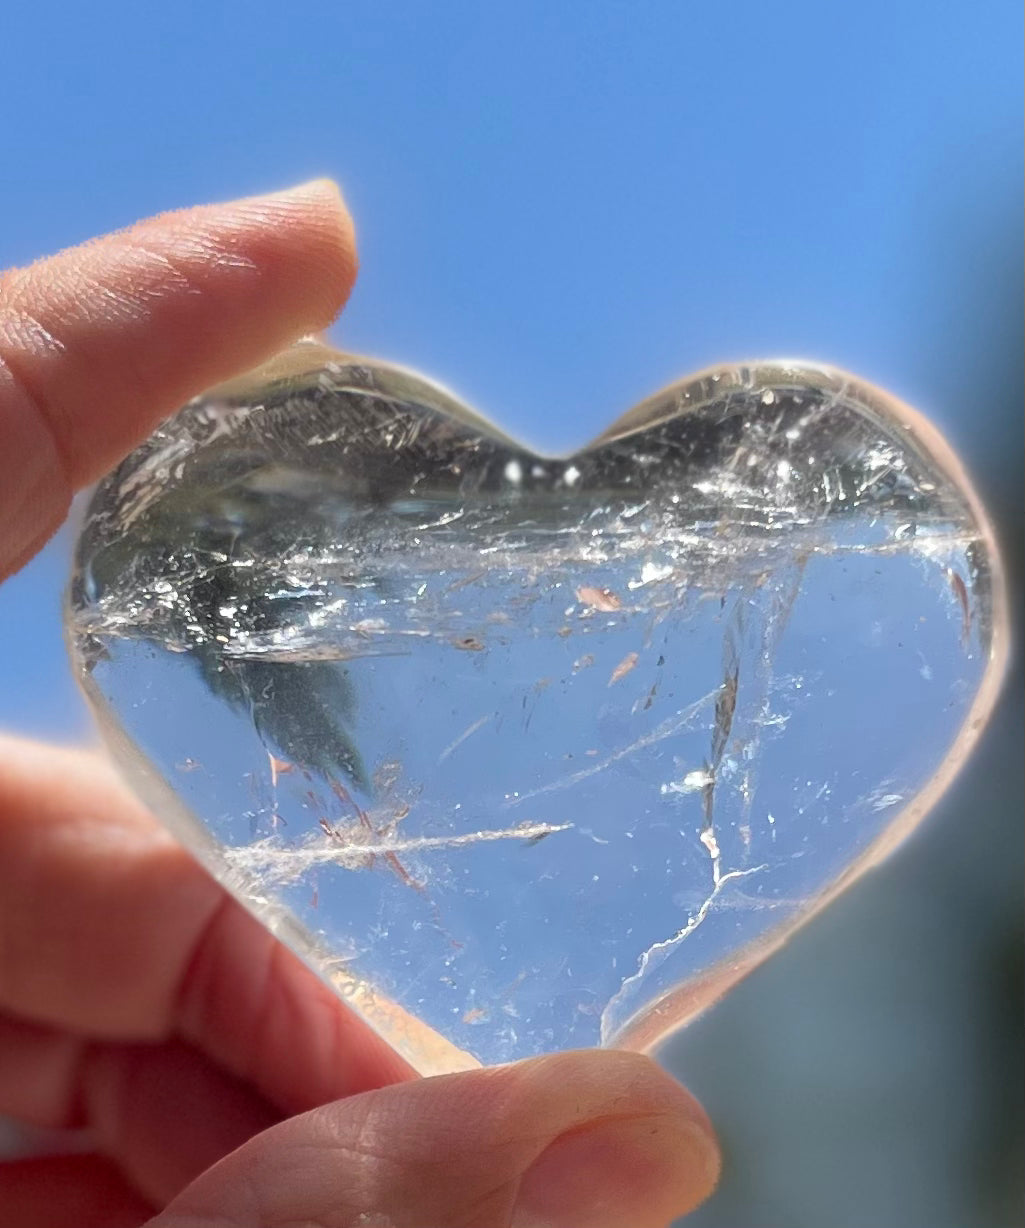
[561, 206]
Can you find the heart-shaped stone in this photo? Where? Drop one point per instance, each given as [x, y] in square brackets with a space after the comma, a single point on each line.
[524, 753]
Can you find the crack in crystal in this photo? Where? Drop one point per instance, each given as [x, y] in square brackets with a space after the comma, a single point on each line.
[467, 733]
[655, 955]
[674, 724]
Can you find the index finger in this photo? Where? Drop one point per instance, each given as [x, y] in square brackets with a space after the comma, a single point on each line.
[100, 342]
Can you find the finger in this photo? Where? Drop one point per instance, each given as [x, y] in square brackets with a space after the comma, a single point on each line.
[110, 930]
[163, 1112]
[56, 1191]
[582, 1140]
[39, 1074]
[100, 910]
[99, 343]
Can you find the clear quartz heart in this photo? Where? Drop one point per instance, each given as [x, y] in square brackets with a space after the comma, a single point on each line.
[521, 752]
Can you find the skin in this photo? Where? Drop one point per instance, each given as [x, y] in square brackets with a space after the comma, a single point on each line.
[218, 1081]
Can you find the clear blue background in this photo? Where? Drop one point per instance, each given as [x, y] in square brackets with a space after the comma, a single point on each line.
[562, 206]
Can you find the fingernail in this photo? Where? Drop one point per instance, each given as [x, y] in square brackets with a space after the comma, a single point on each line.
[622, 1173]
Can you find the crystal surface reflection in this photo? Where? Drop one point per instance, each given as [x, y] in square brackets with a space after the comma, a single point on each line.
[527, 753]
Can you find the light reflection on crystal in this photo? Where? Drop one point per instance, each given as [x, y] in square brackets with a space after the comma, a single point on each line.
[535, 752]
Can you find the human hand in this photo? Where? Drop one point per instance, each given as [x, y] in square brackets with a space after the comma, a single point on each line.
[220, 1082]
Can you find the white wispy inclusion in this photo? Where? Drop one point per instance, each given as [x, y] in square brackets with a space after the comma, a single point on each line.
[275, 863]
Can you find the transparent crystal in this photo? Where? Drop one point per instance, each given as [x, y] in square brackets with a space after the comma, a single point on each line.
[523, 752]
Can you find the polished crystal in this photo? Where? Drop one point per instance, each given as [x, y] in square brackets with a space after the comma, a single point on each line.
[525, 752]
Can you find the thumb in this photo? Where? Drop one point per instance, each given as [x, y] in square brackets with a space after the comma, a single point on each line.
[578, 1140]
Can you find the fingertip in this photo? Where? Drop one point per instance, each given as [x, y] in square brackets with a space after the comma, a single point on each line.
[305, 230]
[642, 1152]
[321, 190]
[321, 204]
[588, 1081]
[100, 342]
